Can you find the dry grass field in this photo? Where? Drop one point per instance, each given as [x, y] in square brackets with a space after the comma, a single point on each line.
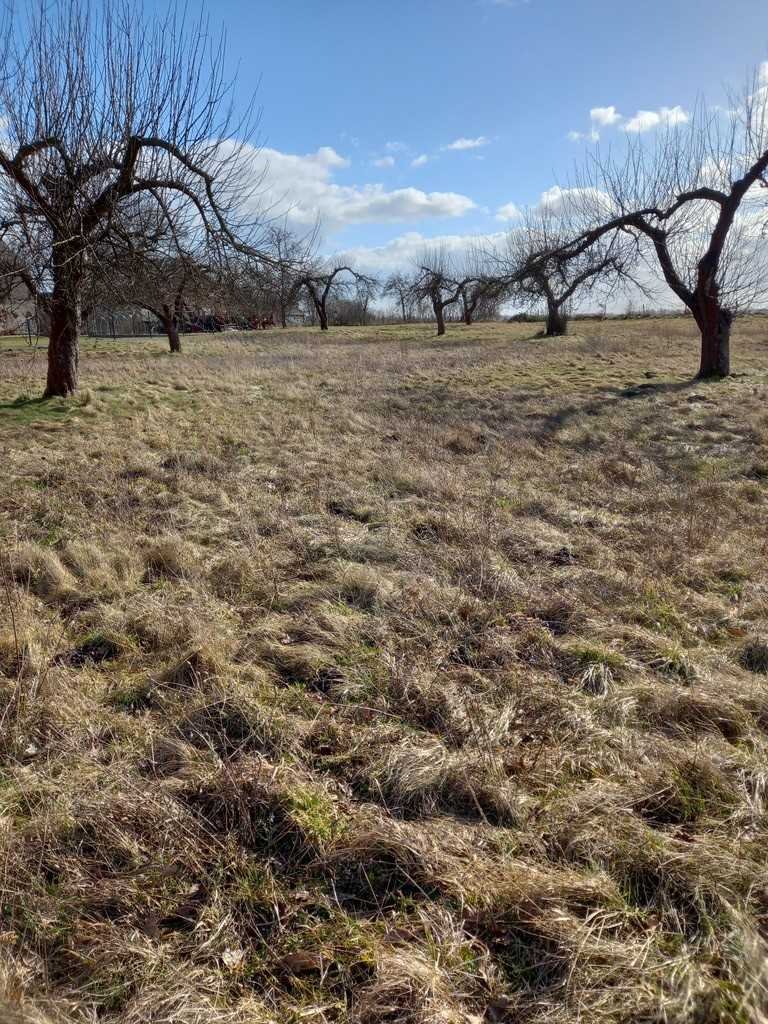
[369, 677]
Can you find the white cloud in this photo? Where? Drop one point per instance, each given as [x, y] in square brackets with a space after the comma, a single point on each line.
[556, 200]
[604, 116]
[384, 161]
[395, 147]
[643, 121]
[463, 143]
[401, 252]
[326, 156]
[304, 186]
[646, 120]
[593, 136]
[420, 160]
[508, 212]
[760, 96]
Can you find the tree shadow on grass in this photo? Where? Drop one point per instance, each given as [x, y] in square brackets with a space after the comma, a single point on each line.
[530, 413]
[25, 409]
[612, 397]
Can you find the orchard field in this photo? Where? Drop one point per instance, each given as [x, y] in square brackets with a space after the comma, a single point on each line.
[372, 677]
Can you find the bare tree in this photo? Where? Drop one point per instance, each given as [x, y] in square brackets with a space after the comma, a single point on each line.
[692, 202]
[474, 297]
[325, 280]
[97, 109]
[540, 270]
[438, 281]
[284, 278]
[483, 286]
[248, 288]
[400, 287]
[164, 276]
[366, 288]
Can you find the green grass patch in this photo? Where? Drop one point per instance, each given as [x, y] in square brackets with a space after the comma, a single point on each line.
[30, 412]
[315, 814]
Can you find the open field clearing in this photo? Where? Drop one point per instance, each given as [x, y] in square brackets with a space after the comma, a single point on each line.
[372, 677]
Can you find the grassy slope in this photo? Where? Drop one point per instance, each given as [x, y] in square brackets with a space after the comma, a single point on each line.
[369, 677]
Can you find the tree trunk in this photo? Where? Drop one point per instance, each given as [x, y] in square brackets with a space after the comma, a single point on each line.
[283, 317]
[323, 315]
[170, 324]
[557, 321]
[467, 316]
[715, 326]
[402, 307]
[172, 330]
[439, 316]
[64, 329]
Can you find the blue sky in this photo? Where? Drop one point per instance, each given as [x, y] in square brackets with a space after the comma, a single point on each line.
[363, 101]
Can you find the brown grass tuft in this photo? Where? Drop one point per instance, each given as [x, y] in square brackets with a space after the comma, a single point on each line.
[168, 557]
[41, 571]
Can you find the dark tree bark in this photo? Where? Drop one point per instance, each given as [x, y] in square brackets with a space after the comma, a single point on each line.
[712, 319]
[439, 310]
[170, 318]
[715, 326]
[318, 300]
[467, 307]
[171, 328]
[64, 328]
[322, 314]
[557, 321]
[63, 351]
